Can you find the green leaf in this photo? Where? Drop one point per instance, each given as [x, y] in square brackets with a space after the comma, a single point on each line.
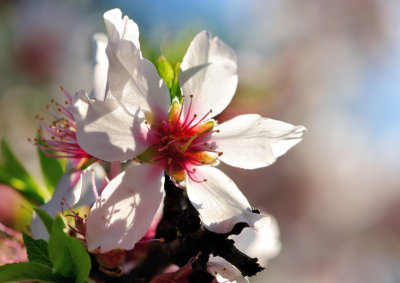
[68, 255]
[46, 219]
[37, 250]
[165, 71]
[29, 271]
[81, 259]
[13, 165]
[176, 89]
[15, 175]
[52, 169]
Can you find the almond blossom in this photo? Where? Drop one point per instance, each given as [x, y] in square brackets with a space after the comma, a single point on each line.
[58, 139]
[137, 121]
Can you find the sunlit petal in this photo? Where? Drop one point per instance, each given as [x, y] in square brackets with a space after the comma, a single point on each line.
[125, 209]
[218, 200]
[105, 130]
[209, 72]
[251, 141]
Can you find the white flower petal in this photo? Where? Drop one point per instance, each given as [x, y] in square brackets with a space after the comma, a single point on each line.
[135, 81]
[106, 131]
[100, 66]
[218, 200]
[76, 188]
[121, 28]
[262, 242]
[209, 72]
[224, 271]
[125, 209]
[251, 141]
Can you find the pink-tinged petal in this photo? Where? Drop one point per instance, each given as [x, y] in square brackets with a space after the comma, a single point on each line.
[262, 242]
[218, 200]
[106, 130]
[121, 28]
[224, 271]
[209, 72]
[251, 141]
[135, 81]
[76, 188]
[125, 209]
[100, 66]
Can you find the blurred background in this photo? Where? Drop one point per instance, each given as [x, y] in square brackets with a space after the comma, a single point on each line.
[331, 65]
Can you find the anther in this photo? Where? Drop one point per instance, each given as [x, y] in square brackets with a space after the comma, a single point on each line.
[217, 131]
[205, 180]
[191, 96]
[219, 154]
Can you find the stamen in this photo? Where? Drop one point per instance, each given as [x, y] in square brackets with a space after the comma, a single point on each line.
[200, 120]
[79, 221]
[94, 188]
[152, 131]
[188, 111]
[179, 118]
[106, 178]
[191, 121]
[69, 208]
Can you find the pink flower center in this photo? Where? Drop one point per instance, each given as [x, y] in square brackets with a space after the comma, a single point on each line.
[183, 143]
